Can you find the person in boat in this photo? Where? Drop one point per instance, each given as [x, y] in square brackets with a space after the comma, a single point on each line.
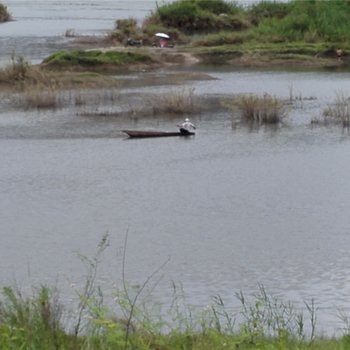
[186, 127]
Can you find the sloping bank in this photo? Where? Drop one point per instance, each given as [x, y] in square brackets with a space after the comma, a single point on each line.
[98, 60]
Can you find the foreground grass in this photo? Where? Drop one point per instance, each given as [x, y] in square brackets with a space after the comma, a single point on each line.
[37, 323]
[134, 322]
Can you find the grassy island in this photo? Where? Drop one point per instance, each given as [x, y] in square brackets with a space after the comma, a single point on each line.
[88, 60]
[307, 32]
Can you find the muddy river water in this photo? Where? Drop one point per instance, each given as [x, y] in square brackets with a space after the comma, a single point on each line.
[231, 208]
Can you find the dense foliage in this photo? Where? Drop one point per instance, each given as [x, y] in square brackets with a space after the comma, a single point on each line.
[193, 16]
[270, 21]
[308, 21]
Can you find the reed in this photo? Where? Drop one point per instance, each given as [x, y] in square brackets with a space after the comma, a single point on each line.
[177, 102]
[261, 110]
[17, 70]
[39, 98]
[339, 111]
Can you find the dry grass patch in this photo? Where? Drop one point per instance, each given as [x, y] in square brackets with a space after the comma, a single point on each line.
[339, 111]
[16, 70]
[176, 102]
[261, 110]
[40, 99]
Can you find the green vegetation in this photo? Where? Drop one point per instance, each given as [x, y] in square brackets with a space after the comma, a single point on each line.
[270, 21]
[96, 59]
[134, 322]
[294, 29]
[4, 14]
[198, 16]
[37, 322]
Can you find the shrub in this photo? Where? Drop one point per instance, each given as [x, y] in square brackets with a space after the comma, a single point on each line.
[218, 6]
[268, 9]
[16, 70]
[124, 29]
[192, 16]
[300, 20]
[4, 14]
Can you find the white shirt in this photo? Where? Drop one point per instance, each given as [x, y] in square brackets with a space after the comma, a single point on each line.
[188, 126]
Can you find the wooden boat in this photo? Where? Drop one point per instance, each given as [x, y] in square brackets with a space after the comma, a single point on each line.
[154, 133]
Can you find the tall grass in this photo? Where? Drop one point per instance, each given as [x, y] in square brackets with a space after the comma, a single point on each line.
[339, 111]
[262, 322]
[17, 70]
[261, 110]
[39, 98]
[176, 102]
[32, 322]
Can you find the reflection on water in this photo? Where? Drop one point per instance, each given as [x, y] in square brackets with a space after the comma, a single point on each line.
[231, 208]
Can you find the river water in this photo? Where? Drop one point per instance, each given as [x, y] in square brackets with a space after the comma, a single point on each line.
[228, 209]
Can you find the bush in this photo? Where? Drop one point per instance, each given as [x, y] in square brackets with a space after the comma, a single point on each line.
[218, 7]
[301, 20]
[192, 16]
[125, 28]
[268, 9]
[4, 14]
[17, 70]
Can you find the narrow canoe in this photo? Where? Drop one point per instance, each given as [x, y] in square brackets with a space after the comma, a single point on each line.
[151, 133]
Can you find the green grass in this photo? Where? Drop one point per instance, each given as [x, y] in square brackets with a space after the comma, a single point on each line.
[308, 20]
[37, 322]
[95, 58]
